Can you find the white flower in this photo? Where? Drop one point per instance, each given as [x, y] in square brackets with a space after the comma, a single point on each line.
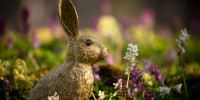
[118, 84]
[182, 41]
[114, 94]
[178, 87]
[101, 95]
[126, 70]
[164, 91]
[54, 97]
[130, 57]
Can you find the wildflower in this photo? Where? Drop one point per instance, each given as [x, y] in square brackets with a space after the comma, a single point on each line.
[130, 57]
[6, 63]
[2, 69]
[105, 6]
[25, 16]
[178, 88]
[54, 97]
[147, 78]
[7, 86]
[142, 87]
[1, 78]
[109, 59]
[182, 41]
[149, 95]
[20, 77]
[2, 27]
[36, 41]
[18, 61]
[164, 91]
[96, 75]
[136, 73]
[115, 93]
[118, 84]
[133, 52]
[101, 95]
[158, 77]
[10, 43]
[15, 72]
[148, 64]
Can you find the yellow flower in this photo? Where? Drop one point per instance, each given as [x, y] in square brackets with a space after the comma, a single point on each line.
[29, 84]
[1, 78]
[20, 77]
[33, 78]
[45, 35]
[2, 69]
[6, 63]
[15, 72]
[108, 27]
[41, 74]
[18, 61]
[20, 67]
[147, 78]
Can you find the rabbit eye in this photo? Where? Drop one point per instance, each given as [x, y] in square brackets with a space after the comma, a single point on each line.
[88, 43]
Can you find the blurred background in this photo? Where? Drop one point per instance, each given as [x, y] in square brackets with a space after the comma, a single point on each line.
[30, 33]
[161, 13]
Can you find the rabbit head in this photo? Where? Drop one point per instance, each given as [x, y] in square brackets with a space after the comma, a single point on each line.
[81, 48]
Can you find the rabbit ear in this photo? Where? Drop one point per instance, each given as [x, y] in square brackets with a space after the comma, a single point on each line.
[68, 18]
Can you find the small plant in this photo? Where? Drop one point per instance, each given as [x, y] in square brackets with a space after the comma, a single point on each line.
[182, 42]
[15, 81]
[131, 85]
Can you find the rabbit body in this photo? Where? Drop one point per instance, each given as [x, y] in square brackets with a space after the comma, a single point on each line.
[73, 80]
[71, 83]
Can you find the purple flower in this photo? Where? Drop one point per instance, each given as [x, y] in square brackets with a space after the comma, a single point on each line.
[96, 68]
[10, 43]
[147, 17]
[147, 66]
[118, 77]
[96, 75]
[7, 86]
[36, 41]
[142, 87]
[105, 6]
[25, 16]
[2, 27]
[94, 24]
[136, 76]
[136, 84]
[149, 95]
[158, 77]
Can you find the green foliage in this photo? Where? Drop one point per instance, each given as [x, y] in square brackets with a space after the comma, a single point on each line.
[37, 61]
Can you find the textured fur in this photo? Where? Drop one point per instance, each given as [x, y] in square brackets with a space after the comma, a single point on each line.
[73, 80]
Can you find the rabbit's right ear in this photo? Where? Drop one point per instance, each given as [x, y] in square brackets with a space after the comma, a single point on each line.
[69, 18]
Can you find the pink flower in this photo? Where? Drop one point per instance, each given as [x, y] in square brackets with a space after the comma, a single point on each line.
[109, 59]
[36, 41]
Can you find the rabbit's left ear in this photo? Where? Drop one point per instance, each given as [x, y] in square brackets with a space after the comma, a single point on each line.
[69, 18]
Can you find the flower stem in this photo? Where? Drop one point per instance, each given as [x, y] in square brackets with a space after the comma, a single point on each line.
[185, 85]
[94, 96]
[128, 79]
[184, 80]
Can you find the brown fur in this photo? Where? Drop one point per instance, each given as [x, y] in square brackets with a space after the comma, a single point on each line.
[73, 80]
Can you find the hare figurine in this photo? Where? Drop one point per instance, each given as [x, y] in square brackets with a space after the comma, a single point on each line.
[72, 80]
